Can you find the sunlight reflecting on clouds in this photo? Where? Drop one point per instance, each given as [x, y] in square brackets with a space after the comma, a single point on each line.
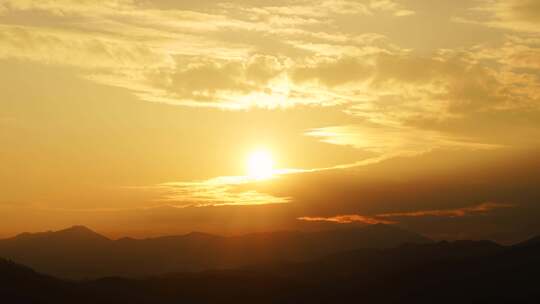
[220, 191]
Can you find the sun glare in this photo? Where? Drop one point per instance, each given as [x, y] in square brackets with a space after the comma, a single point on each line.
[260, 165]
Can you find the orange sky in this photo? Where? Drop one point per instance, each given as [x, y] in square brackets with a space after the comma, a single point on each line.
[138, 117]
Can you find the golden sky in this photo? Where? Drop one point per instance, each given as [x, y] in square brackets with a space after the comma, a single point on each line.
[139, 117]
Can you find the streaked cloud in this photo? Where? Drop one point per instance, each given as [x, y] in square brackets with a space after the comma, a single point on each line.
[517, 15]
[80, 50]
[220, 191]
[394, 141]
[458, 212]
[393, 218]
[148, 47]
[347, 219]
[268, 54]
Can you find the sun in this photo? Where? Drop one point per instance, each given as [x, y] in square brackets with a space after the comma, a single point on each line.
[260, 164]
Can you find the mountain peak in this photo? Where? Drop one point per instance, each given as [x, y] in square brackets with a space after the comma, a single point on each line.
[77, 232]
[77, 229]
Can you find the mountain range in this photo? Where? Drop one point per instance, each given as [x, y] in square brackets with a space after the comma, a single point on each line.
[79, 252]
[428, 272]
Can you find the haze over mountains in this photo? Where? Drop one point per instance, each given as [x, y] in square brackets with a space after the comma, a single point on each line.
[425, 272]
[79, 252]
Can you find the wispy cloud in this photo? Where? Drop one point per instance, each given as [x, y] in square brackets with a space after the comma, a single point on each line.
[392, 141]
[149, 47]
[271, 55]
[392, 218]
[237, 190]
[458, 212]
[515, 15]
[346, 219]
[220, 191]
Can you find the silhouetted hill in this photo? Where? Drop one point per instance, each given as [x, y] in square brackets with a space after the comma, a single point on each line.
[374, 261]
[72, 234]
[534, 241]
[20, 284]
[443, 272]
[78, 252]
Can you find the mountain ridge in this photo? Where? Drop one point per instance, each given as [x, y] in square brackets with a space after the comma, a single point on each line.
[413, 273]
[73, 232]
[78, 252]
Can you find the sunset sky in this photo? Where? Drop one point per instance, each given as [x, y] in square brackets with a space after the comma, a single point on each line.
[152, 117]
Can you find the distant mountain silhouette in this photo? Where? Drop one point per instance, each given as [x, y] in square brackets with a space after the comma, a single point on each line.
[442, 272]
[530, 242]
[78, 252]
[20, 284]
[72, 234]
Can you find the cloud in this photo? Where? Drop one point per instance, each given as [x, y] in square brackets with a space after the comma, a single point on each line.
[220, 191]
[482, 208]
[63, 7]
[394, 141]
[332, 73]
[217, 81]
[393, 87]
[292, 10]
[267, 54]
[65, 48]
[458, 212]
[152, 47]
[347, 219]
[516, 15]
